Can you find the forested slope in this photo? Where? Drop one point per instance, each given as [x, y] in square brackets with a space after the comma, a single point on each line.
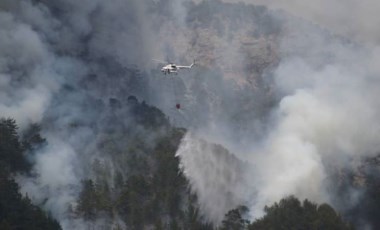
[16, 210]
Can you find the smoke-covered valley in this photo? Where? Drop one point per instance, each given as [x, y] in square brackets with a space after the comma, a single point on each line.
[277, 104]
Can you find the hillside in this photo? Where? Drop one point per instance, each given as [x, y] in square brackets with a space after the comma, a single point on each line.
[16, 210]
[279, 113]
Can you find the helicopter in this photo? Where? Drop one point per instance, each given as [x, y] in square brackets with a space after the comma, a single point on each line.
[173, 68]
[170, 68]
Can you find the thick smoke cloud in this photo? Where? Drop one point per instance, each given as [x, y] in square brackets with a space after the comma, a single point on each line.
[287, 100]
[214, 174]
[325, 118]
[26, 80]
[60, 63]
[55, 172]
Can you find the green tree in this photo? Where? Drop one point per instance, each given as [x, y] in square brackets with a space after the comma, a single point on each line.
[11, 150]
[16, 211]
[289, 213]
[87, 200]
[234, 219]
[31, 138]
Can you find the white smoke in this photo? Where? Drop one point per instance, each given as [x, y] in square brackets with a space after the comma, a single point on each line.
[55, 179]
[26, 80]
[326, 89]
[38, 55]
[215, 175]
[326, 117]
[48, 52]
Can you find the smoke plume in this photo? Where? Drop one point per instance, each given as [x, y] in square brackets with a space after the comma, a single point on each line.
[280, 95]
[324, 117]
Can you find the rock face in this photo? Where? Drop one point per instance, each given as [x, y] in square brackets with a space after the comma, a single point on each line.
[235, 48]
[237, 39]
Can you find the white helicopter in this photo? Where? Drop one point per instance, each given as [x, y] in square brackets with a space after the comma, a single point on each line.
[173, 68]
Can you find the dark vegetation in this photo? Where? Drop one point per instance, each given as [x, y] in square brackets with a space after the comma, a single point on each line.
[146, 188]
[149, 189]
[290, 213]
[152, 191]
[17, 211]
[365, 181]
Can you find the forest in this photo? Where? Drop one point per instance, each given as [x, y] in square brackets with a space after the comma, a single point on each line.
[17, 210]
[155, 194]
[275, 127]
